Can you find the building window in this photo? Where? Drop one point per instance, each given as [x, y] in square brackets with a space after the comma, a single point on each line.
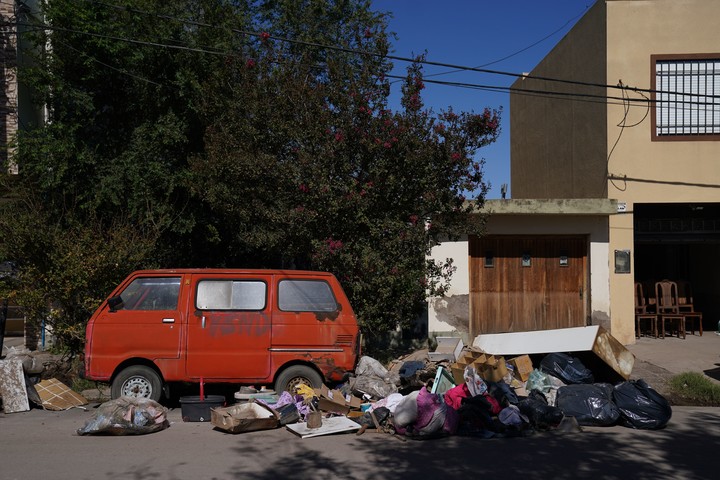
[687, 97]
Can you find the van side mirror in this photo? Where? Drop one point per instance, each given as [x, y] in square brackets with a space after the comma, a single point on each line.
[115, 303]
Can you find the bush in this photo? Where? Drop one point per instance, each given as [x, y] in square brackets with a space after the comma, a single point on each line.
[692, 388]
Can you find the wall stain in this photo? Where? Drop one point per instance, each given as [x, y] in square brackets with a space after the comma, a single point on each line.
[454, 310]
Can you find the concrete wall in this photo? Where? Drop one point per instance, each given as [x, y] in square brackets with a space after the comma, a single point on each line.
[642, 170]
[558, 143]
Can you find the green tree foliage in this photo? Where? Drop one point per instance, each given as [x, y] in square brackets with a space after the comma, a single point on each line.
[194, 133]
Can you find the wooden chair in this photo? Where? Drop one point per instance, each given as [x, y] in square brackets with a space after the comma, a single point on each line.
[642, 314]
[666, 294]
[686, 305]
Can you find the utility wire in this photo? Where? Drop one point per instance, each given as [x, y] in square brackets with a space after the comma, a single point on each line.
[266, 36]
[231, 54]
[517, 52]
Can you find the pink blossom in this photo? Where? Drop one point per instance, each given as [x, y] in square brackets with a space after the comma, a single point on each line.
[264, 36]
[304, 188]
[250, 63]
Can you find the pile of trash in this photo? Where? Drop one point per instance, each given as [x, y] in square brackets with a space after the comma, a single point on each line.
[25, 381]
[467, 393]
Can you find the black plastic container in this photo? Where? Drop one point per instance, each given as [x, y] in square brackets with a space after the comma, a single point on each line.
[196, 410]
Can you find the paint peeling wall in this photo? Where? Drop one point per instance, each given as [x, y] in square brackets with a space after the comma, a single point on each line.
[449, 315]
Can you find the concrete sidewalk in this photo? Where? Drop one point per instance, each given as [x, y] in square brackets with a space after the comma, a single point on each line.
[658, 359]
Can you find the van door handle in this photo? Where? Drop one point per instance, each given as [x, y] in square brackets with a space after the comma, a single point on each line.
[202, 322]
[168, 320]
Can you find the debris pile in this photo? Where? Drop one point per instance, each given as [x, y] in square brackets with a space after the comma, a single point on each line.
[455, 390]
[22, 384]
[464, 390]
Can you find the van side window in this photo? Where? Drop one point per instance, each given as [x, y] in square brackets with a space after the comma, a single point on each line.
[306, 296]
[231, 295]
[151, 293]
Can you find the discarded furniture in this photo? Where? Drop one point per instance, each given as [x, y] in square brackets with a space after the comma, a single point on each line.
[668, 311]
[591, 339]
[686, 305]
[642, 313]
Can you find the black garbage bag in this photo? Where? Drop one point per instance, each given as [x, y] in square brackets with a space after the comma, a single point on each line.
[476, 411]
[541, 415]
[640, 406]
[288, 414]
[591, 405]
[503, 393]
[567, 368]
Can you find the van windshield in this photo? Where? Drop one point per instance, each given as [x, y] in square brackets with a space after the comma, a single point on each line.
[151, 293]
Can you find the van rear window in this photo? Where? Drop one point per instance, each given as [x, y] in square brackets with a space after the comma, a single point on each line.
[151, 293]
[306, 296]
[231, 295]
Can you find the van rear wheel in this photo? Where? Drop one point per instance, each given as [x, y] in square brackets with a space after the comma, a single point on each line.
[137, 381]
[297, 375]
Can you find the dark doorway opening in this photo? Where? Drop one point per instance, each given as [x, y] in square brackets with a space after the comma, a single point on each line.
[681, 241]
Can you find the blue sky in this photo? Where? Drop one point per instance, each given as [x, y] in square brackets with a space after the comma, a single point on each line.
[476, 33]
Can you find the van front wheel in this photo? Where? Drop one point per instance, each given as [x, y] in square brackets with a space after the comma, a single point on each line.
[137, 381]
[297, 375]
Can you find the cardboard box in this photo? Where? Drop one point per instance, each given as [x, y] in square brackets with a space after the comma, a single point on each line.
[523, 367]
[335, 401]
[493, 371]
[458, 373]
[245, 417]
[448, 348]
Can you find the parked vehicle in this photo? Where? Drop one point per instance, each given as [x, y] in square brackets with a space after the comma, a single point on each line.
[252, 327]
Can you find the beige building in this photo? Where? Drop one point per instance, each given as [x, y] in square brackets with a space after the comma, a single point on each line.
[634, 122]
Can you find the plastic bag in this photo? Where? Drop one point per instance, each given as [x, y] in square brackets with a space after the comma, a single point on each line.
[640, 406]
[126, 416]
[539, 381]
[371, 367]
[373, 386]
[590, 404]
[568, 369]
[475, 384]
[541, 415]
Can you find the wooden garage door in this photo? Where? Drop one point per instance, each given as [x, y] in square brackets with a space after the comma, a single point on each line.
[524, 283]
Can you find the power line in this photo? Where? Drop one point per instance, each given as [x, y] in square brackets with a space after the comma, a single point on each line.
[266, 36]
[518, 52]
[347, 50]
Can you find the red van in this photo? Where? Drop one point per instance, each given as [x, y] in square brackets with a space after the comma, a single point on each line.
[253, 327]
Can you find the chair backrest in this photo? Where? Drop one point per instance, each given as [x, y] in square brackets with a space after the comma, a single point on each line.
[666, 293]
[685, 296]
[640, 306]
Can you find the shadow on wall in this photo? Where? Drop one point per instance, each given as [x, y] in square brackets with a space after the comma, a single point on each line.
[601, 318]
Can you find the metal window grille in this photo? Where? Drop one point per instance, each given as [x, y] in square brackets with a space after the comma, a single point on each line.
[688, 97]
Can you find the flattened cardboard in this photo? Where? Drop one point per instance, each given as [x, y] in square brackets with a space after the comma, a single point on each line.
[245, 417]
[12, 387]
[329, 426]
[55, 395]
[335, 401]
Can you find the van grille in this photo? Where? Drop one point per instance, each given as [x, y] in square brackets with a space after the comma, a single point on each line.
[344, 340]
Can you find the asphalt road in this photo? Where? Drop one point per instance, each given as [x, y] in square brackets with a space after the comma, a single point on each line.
[43, 445]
